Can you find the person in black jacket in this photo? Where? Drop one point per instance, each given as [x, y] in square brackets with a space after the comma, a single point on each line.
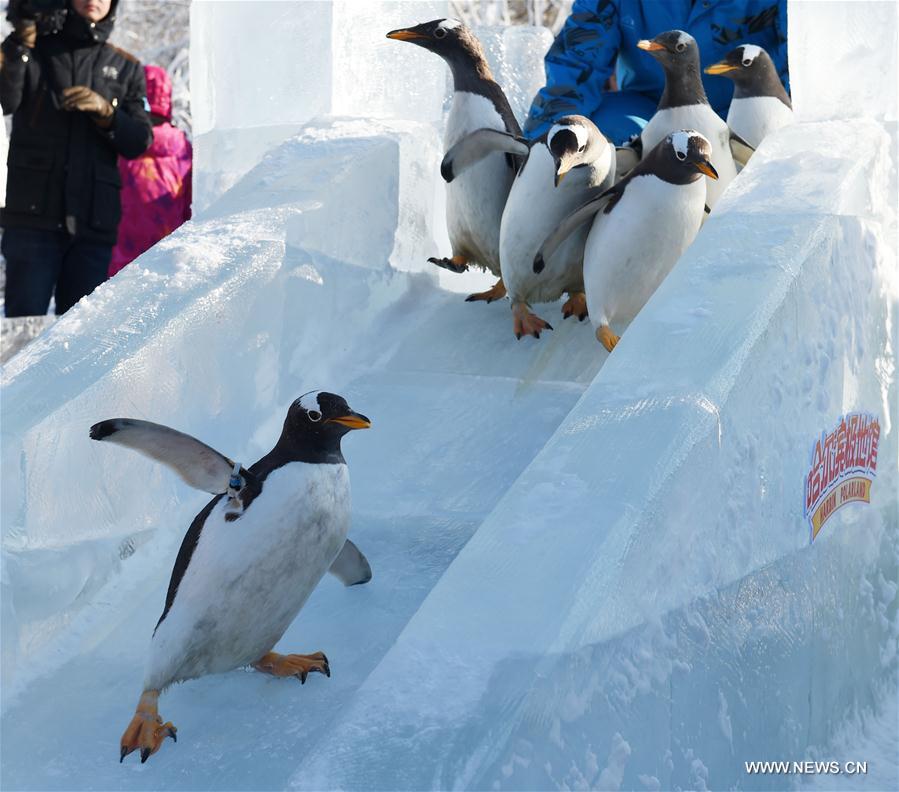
[77, 104]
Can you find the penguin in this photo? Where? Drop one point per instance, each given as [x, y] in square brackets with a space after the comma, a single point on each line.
[760, 104]
[251, 557]
[684, 106]
[475, 200]
[568, 165]
[640, 227]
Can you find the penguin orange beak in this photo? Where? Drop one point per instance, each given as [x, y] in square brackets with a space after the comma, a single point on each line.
[562, 167]
[703, 166]
[649, 46]
[406, 35]
[720, 68]
[352, 421]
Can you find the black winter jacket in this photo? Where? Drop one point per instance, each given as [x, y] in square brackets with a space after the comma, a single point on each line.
[63, 171]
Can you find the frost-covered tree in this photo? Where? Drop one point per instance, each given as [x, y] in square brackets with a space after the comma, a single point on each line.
[549, 13]
[158, 32]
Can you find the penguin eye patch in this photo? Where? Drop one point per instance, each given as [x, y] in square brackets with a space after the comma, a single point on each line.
[314, 415]
[680, 155]
[680, 46]
[440, 33]
[747, 62]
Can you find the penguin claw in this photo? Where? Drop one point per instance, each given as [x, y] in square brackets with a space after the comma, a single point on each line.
[495, 292]
[607, 338]
[146, 731]
[575, 305]
[526, 323]
[296, 665]
[457, 264]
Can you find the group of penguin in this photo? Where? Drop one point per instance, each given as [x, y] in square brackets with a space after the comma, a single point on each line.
[569, 213]
[546, 218]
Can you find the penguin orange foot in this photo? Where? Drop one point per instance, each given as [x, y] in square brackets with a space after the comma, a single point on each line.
[526, 323]
[455, 264]
[146, 730]
[495, 292]
[296, 665]
[606, 337]
[575, 305]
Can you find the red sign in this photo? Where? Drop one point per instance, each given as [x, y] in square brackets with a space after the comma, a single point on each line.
[844, 464]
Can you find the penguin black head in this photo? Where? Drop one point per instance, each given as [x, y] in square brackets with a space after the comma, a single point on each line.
[683, 157]
[319, 420]
[752, 71]
[448, 38]
[574, 141]
[674, 49]
[743, 64]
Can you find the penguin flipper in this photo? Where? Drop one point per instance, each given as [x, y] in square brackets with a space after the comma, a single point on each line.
[351, 567]
[577, 218]
[740, 150]
[626, 159]
[475, 146]
[197, 464]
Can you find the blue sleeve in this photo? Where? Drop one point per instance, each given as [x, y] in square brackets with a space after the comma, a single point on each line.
[779, 56]
[578, 64]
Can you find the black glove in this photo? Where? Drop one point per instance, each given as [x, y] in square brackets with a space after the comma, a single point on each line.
[83, 99]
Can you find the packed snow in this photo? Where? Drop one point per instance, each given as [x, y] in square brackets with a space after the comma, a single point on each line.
[590, 571]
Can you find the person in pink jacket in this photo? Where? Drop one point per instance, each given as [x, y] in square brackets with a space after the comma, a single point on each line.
[156, 187]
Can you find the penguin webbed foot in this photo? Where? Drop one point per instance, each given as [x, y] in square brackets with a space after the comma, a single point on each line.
[457, 264]
[146, 730]
[297, 665]
[607, 338]
[495, 292]
[524, 322]
[575, 305]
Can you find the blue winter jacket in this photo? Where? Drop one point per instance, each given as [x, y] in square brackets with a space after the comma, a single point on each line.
[600, 37]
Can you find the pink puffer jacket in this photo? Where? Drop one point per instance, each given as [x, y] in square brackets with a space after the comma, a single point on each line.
[156, 187]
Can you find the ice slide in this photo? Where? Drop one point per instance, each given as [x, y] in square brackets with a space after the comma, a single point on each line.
[591, 571]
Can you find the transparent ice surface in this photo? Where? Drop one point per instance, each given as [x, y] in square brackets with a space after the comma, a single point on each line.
[515, 54]
[260, 70]
[843, 59]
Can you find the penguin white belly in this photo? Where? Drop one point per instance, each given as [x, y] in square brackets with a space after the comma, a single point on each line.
[703, 119]
[475, 199]
[755, 117]
[630, 251]
[248, 579]
[533, 210]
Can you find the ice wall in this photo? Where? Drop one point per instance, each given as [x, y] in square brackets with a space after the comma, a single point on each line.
[515, 54]
[843, 59]
[260, 70]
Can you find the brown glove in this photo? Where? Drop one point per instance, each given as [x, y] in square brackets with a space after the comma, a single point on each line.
[26, 32]
[83, 99]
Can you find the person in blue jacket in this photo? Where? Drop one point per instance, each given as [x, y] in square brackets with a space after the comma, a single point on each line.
[599, 42]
